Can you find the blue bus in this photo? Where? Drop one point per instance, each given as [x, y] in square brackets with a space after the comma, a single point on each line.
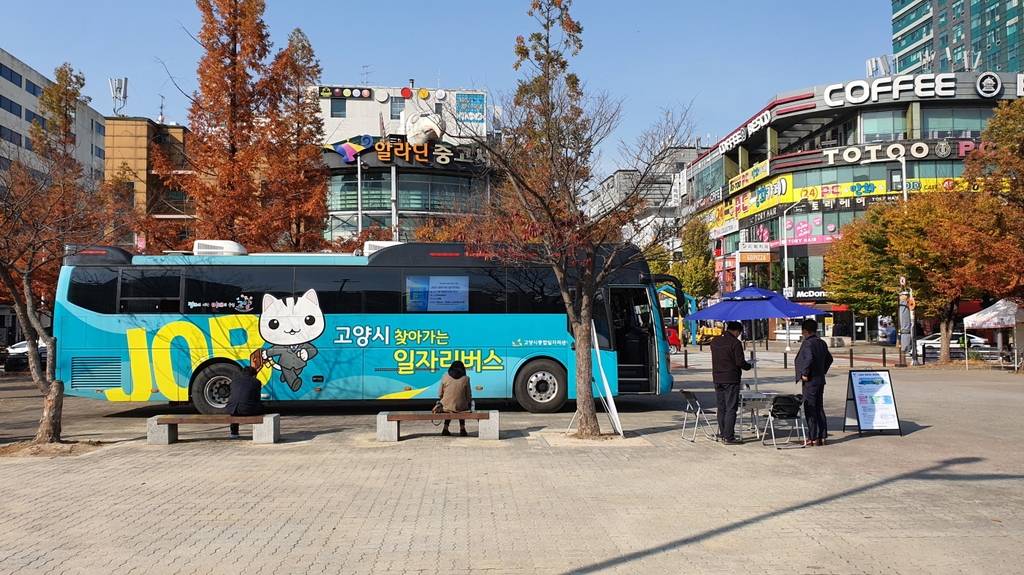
[179, 327]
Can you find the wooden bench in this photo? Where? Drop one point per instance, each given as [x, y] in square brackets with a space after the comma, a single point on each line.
[388, 422]
[163, 429]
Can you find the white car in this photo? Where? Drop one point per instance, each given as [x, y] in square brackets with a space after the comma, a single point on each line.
[934, 341]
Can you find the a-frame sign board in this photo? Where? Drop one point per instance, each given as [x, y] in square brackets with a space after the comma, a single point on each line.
[870, 402]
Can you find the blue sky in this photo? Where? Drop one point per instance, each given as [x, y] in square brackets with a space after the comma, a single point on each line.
[727, 57]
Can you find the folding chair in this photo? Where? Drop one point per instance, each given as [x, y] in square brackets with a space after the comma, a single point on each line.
[693, 406]
[787, 409]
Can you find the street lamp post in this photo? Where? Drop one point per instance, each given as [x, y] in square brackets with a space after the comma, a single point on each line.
[785, 260]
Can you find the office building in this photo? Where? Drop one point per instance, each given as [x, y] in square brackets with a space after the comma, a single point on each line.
[399, 156]
[957, 35]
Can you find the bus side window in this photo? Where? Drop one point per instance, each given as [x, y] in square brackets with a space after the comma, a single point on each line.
[150, 290]
[94, 289]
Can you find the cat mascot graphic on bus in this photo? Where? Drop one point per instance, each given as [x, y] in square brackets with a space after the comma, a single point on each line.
[289, 325]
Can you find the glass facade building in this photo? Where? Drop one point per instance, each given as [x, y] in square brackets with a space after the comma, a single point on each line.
[957, 35]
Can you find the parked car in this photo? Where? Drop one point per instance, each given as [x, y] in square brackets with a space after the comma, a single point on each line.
[935, 341]
[673, 339]
[17, 356]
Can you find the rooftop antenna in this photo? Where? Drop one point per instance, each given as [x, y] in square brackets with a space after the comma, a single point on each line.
[160, 118]
[119, 92]
[366, 74]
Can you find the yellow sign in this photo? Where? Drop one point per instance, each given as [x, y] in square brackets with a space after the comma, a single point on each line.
[759, 171]
[755, 258]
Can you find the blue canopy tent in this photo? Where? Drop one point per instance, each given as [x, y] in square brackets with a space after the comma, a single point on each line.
[753, 303]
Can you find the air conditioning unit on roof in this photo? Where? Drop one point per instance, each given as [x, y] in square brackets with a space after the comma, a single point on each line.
[373, 246]
[218, 248]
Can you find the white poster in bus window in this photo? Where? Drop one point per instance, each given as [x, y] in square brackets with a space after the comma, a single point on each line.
[437, 293]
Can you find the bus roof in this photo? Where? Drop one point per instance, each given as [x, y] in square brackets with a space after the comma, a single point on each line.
[405, 255]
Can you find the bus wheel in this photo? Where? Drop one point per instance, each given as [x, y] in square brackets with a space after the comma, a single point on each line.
[541, 387]
[212, 387]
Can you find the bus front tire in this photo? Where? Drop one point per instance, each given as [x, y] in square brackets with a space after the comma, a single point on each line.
[212, 387]
[541, 386]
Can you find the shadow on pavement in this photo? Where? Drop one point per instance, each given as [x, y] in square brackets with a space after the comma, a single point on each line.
[928, 473]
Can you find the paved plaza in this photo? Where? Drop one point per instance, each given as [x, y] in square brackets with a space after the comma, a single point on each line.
[947, 497]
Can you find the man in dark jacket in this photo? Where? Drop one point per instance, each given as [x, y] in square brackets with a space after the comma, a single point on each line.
[245, 397]
[812, 363]
[726, 362]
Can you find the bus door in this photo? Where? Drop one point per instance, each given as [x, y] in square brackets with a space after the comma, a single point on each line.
[633, 324]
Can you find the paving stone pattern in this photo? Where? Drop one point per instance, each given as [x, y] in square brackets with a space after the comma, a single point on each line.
[945, 498]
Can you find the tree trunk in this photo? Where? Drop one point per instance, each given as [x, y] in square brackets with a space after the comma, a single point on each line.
[586, 413]
[53, 406]
[947, 317]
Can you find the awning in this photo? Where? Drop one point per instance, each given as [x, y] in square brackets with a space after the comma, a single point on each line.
[1003, 313]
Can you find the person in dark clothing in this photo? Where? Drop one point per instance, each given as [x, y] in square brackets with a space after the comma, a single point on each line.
[727, 361]
[245, 397]
[812, 363]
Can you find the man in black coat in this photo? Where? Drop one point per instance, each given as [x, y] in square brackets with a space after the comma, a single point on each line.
[812, 363]
[727, 361]
[245, 397]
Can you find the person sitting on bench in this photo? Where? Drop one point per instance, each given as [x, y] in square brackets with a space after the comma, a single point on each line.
[245, 397]
[455, 395]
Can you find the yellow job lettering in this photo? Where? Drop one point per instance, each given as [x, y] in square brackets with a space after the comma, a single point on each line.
[220, 336]
[142, 377]
[163, 364]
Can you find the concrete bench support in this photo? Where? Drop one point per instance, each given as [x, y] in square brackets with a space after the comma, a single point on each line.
[269, 431]
[157, 434]
[386, 430]
[489, 427]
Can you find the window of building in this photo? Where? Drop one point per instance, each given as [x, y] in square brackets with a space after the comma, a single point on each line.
[942, 19]
[709, 179]
[991, 14]
[943, 39]
[31, 116]
[438, 108]
[882, 126]
[958, 55]
[957, 8]
[10, 75]
[338, 107]
[376, 191]
[397, 105]
[98, 152]
[9, 135]
[29, 145]
[33, 89]
[98, 128]
[954, 122]
[11, 106]
[958, 32]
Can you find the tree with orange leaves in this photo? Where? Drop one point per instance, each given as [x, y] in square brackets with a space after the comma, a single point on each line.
[295, 175]
[949, 247]
[48, 203]
[544, 202]
[253, 152]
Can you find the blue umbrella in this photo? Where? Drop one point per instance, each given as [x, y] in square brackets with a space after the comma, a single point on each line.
[753, 303]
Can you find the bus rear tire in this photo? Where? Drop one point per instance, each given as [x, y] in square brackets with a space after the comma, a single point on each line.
[541, 386]
[212, 387]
